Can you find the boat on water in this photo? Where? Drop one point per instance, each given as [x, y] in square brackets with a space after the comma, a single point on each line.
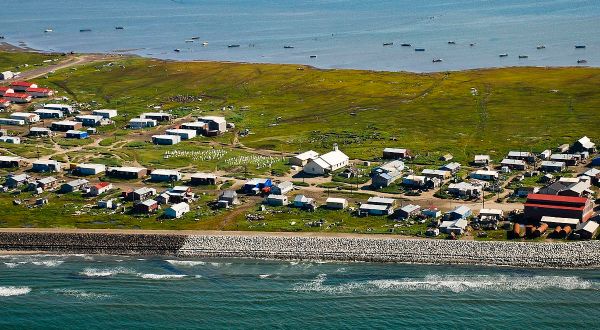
[176, 50]
[581, 61]
[405, 45]
[523, 56]
[472, 44]
[189, 40]
[48, 30]
[503, 55]
[119, 28]
[541, 47]
[313, 56]
[579, 46]
[388, 43]
[419, 49]
[205, 43]
[195, 38]
[233, 46]
[85, 30]
[437, 60]
[288, 47]
[451, 42]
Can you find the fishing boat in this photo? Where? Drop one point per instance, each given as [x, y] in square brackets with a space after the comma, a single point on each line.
[472, 44]
[205, 43]
[233, 46]
[48, 30]
[189, 40]
[541, 47]
[419, 49]
[451, 42]
[523, 56]
[288, 47]
[388, 43]
[176, 50]
[437, 60]
[85, 30]
[313, 56]
[579, 46]
[195, 38]
[581, 61]
[405, 45]
[119, 28]
[503, 55]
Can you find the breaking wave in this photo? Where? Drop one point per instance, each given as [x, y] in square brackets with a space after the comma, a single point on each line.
[264, 275]
[451, 283]
[161, 276]
[186, 263]
[7, 291]
[106, 272]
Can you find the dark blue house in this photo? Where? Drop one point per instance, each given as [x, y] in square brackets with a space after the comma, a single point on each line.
[72, 134]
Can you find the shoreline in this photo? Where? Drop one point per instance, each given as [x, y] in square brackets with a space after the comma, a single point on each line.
[305, 246]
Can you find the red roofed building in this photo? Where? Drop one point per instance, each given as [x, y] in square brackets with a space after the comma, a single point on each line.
[100, 188]
[4, 103]
[539, 205]
[21, 86]
[39, 92]
[4, 90]
[18, 97]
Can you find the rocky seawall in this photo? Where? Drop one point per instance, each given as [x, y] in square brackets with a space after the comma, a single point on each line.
[583, 254]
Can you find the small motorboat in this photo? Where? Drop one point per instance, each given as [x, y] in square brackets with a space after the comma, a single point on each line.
[189, 40]
[85, 30]
[119, 28]
[48, 30]
[523, 56]
[205, 43]
[472, 44]
[176, 50]
[579, 46]
[437, 60]
[503, 55]
[195, 38]
[388, 43]
[405, 45]
[451, 42]
[581, 61]
[419, 49]
[288, 47]
[541, 47]
[233, 46]
[313, 56]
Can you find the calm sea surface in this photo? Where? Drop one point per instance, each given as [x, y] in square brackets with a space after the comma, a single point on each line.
[81, 291]
[341, 33]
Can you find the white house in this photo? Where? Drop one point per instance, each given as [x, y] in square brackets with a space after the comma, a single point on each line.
[303, 158]
[176, 211]
[139, 123]
[328, 162]
[90, 169]
[105, 113]
[166, 139]
[484, 175]
[29, 118]
[49, 113]
[184, 134]
[336, 203]
[165, 175]
[10, 139]
[277, 200]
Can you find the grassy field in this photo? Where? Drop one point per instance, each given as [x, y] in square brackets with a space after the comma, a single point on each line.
[291, 110]
[14, 61]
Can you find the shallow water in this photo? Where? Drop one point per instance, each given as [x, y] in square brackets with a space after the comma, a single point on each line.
[342, 33]
[58, 291]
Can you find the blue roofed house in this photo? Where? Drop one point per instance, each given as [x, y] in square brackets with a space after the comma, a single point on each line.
[386, 174]
[460, 212]
[257, 185]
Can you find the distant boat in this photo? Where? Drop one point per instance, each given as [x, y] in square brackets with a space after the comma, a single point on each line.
[503, 55]
[195, 38]
[48, 30]
[313, 56]
[437, 60]
[451, 42]
[541, 47]
[388, 43]
[233, 46]
[189, 40]
[1, 37]
[472, 44]
[523, 56]
[177, 50]
[205, 43]
[85, 30]
[579, 46]
[288, 47]
[119, 28]
[419, 49]
[581, 61]
[405, 45]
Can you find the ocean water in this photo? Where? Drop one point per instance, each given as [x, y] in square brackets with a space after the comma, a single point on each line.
[341, 33]
[85, 291]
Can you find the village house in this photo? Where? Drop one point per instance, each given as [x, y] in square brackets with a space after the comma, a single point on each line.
[465, 189]
[105, 113]
[6, 90]
[524, 191]
[396, 153]
[228, 198]
[431, 213]
[184, 134]
[552, 166]
[100, 188]
[439, 174]
[89, 120]
[11, 162]
[65, 125]
[16, 180]
[180, 194]
[408, 211]
[4, 104]
[162, 199]
[453, 167]
[420, 182]
[10, 139]
[282, 188]
[73, 185]
[39, 92]
[377, 206]
[446, 157]
[162, 175]
[484, 175]
[203, 179]
[303, 158]
[141, 194]
[481, 160]
[146, 207]
[12, 122]
[49, 113]
[568, 159]
[199, 126]
[5, 75]
[127, 172]
[75, 134]
[334, 203]
[165, 139]
[459, 212]
[514, 164]
[489, 218]
[39, 132]
[328, 162]
[216, 125]
[577, 187]
[46, 166]
[90, 169]
[176, 211]
[65, 108]
[158, 116]
[386, 174]
[541, 205]
[276, 200]
[587, 230]
[305, 203]
[456, 227]
[21, 86]
[44, 184]
[593, 174]
[544, 155]
[18, 98]
[584, 144]
[106, 204]
[521, 155]
[257, 185]
[139, 123]
[29, 118]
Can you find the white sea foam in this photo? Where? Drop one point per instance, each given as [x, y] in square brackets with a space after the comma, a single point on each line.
[161, 276]
[97, 272]
[82, 294]
[11, 264]
[7, 291]
[48, 263]
[264, 275]
[451, 283]
[186, 263]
